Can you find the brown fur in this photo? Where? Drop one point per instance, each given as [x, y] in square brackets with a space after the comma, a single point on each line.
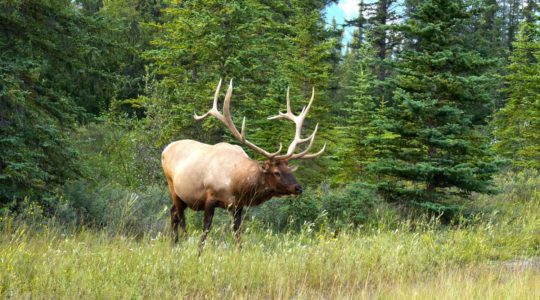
[203, 177]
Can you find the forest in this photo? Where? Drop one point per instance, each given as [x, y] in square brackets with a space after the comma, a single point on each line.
[430, 178]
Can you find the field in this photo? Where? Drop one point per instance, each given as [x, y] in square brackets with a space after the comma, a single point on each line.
[495, 256]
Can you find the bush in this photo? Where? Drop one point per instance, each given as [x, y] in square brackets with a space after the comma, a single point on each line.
[115, 208]
[352, 205]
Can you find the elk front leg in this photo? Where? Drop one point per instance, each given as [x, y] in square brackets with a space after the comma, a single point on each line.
[208, 216]
[237, 213]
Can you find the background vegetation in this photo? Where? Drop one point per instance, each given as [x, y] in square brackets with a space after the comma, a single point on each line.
[430, 181]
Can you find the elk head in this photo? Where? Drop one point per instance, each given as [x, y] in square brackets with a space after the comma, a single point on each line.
[278, 176]
[276, 170]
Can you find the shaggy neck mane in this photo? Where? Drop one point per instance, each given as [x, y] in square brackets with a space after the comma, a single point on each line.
[254, 189]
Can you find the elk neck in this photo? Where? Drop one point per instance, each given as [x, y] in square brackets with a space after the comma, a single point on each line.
[253, 188]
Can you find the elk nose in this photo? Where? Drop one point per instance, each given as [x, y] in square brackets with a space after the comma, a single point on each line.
[298, 189]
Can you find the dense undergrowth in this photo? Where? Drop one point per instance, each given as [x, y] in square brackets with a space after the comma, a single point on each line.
[494, 253]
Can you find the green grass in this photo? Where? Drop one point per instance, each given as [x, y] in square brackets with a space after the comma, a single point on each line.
[497, 255]
[89, 265]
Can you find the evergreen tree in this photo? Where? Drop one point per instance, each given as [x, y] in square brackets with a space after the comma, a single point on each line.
[127, 20]
[382, 17]
[484, 33]
[335, 35]
[517, 125]
[512, 16]
[359, 113]
[430, 149]
[308, 62]
[360, 25]
[48, 65]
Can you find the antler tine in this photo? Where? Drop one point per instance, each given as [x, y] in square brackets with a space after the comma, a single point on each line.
[298, 121]
[214, 111]
[243, 130]
[227, 106]
[289, 111]
[311, 140]
[288, 114]
[216, 94]
[310, 100]
[226, 119]
[313, 155]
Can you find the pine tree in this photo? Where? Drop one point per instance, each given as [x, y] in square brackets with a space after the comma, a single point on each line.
[517, 124]
[430, 149]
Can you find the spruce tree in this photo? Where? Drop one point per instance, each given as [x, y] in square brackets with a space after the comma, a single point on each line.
[53, 66]
[359, 111]
[517, 124]
[429, 147]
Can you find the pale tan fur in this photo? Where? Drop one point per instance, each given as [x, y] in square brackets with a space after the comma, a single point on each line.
[198, 171]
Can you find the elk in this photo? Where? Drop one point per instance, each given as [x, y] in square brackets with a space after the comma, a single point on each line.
[203, 177]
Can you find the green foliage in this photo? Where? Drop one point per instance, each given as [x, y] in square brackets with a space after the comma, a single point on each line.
[360, 110]
[198, 43]
[91, 91]
[39, 44]
[116, 149]
[58, 62]
[430, 148]
[517, 124]
[113, 208]
[354, 205]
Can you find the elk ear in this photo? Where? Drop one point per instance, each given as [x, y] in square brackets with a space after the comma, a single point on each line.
[293, 168]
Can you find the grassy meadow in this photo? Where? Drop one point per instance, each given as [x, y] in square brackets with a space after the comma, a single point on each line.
[494, 255]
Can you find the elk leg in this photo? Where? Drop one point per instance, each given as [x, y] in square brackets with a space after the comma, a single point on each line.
[208, 216]
[175, 219]
[237, 222]
[182, 217]
[177, 212]
[178, 218]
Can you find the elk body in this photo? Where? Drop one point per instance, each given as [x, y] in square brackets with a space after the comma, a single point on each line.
[205, 177]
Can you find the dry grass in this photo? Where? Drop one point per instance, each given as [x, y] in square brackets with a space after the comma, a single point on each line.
[496, 258]
[397, 264]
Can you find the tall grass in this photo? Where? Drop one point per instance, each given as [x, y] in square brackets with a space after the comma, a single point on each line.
[496, 255]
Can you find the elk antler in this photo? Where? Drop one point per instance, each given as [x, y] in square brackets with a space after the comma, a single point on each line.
[226, 119]
[298, 121]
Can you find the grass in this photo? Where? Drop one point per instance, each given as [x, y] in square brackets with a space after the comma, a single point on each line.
[495, 256]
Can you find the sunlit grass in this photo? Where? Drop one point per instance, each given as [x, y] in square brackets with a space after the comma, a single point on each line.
[477, 262]
[496, 255]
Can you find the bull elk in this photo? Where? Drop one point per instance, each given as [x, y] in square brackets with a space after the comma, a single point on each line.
[203, 177]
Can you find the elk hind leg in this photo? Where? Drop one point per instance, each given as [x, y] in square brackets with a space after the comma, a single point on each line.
[178, 218]
[208, 216]
[237, 214]
[177, 212]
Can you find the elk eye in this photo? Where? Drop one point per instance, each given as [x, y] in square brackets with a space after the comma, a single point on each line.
[277, 174]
